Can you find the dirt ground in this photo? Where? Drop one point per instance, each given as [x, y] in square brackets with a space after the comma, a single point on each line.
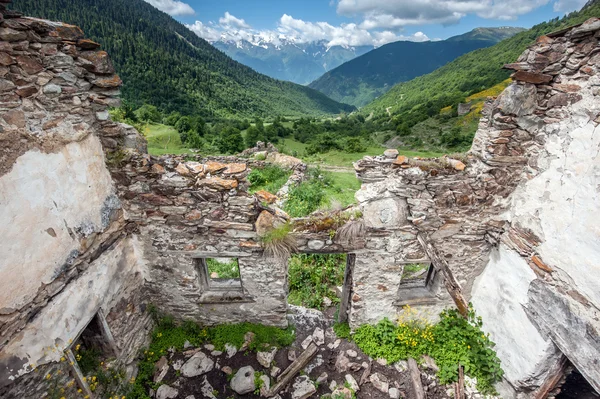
[216, 383]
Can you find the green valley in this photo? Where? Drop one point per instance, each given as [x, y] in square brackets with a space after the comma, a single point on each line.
[163, 63]
[364, 78]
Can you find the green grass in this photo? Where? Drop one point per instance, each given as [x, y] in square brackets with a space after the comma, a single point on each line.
[344, 159]
[270, 178]
[340, 193]
[228, 269]
[314, 277]
[163, 139]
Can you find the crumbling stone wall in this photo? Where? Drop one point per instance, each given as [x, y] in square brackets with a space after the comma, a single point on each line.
[95, 223]
[517, 228]
[67, 247]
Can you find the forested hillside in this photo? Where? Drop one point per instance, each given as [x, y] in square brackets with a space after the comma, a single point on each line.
[409, 103]
[163, 63]
[364, 78]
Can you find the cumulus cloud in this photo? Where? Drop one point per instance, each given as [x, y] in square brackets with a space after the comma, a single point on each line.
[172, 7]
[230, 20]
[236, 29]
[400, 13]
[568, 5]
[206, 32]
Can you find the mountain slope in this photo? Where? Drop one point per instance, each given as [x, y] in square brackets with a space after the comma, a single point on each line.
[362, 79]
[284, 59]
[409, 103]
[163, 63]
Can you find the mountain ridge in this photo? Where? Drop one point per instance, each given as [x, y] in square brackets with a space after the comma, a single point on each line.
[163, 63]
[366, 77]
[287, 59]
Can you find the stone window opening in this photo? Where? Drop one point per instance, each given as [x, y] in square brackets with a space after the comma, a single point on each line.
[97, 339]
[419, 284]
[417, 275]
[220, 280]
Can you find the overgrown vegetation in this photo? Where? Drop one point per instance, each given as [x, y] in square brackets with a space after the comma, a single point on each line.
[313, 277]
[167, 335]
[321, 190]
[269, 178]
[453, 341]
[223, 268]
[278, 243]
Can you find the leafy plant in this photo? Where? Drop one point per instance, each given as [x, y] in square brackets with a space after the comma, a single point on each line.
[312, 277]
[229, 269]
[304, 198]
[342, 330]
[269, 178]
[452, 341]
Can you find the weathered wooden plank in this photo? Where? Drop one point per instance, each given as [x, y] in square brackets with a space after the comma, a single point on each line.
[459, 386]
[293, 369]
[449, 280]
[415, 378]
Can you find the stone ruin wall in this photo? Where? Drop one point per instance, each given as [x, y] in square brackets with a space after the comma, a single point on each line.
[67, 247]
[201, 209]
[518, 227]
[114, 229]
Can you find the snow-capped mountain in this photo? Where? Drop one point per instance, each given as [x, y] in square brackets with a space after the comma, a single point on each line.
[284, 58]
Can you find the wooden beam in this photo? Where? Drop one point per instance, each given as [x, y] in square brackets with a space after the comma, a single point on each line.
[79, 377]
[347, 289]
[293, 369]
[450, 281]
[554, 377]
[415, 378]
[459, 386]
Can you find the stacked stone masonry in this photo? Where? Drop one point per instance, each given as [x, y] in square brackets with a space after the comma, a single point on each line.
[94, 223]
[518, 226]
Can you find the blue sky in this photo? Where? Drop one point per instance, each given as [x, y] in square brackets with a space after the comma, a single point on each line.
[357, 22]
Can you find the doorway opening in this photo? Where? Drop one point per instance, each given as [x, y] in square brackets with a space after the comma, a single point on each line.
[94, 351]
[317, 281]
[575, 386]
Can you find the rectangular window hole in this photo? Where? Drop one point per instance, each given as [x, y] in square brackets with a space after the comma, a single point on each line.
[416, 275]
[220, 280]
[223, 273]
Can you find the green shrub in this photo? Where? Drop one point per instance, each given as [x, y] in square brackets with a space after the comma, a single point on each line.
[228, 269]
[88, 360]
[342, 330]
[270, 178]
[305, 198]
[452, 341]
[312, 277]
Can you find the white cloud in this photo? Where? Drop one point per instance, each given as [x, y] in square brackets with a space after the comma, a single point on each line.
[172, 7]
[204, 31]
[230, 20]
[568, 5]
[232, 28]
[401, 13]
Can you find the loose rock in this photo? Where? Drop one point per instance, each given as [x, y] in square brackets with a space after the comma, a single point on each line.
[266, 358]
[197, 365]
[303, 388]
[166, 392]
[243, 381]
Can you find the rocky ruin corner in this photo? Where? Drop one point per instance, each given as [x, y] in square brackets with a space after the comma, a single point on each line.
[95, 230]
